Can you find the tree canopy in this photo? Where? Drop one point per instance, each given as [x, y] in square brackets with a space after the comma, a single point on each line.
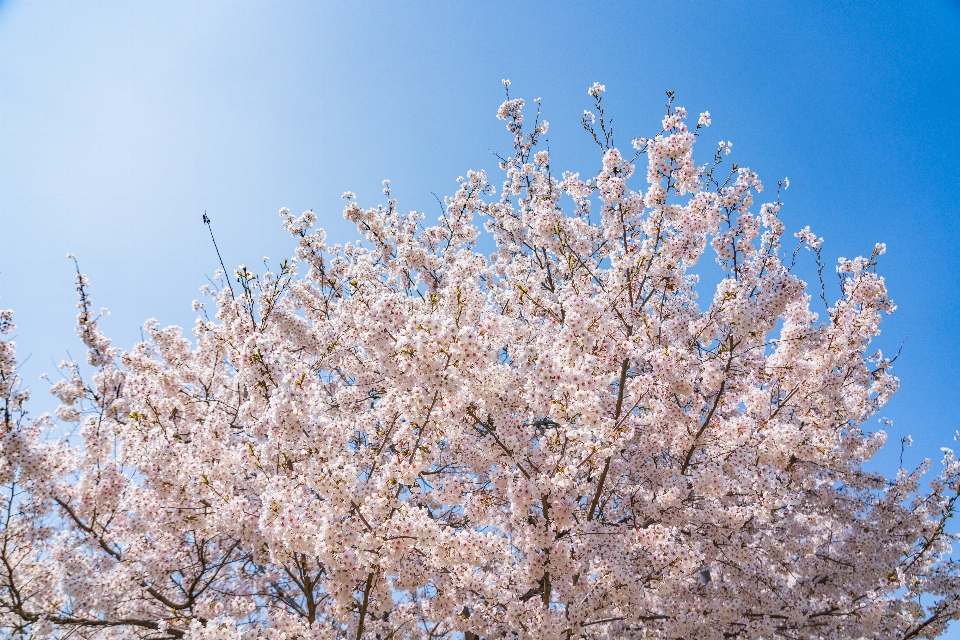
[403, 437]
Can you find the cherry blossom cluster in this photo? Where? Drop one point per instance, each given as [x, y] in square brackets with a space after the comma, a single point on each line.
[402, 437]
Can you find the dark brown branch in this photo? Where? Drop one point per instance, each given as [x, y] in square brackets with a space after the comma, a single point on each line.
[364, 605]
[606, 464]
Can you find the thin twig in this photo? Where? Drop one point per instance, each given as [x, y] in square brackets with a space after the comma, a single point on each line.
[206, 221]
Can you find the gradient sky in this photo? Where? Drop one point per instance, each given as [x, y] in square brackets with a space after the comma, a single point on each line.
[121, 122]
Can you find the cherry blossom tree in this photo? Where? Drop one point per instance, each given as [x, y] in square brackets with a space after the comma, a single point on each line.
[404, 438]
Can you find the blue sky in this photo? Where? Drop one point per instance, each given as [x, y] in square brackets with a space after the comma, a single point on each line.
[121, 122]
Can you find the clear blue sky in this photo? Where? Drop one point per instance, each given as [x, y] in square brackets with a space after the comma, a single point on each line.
[121, 122]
